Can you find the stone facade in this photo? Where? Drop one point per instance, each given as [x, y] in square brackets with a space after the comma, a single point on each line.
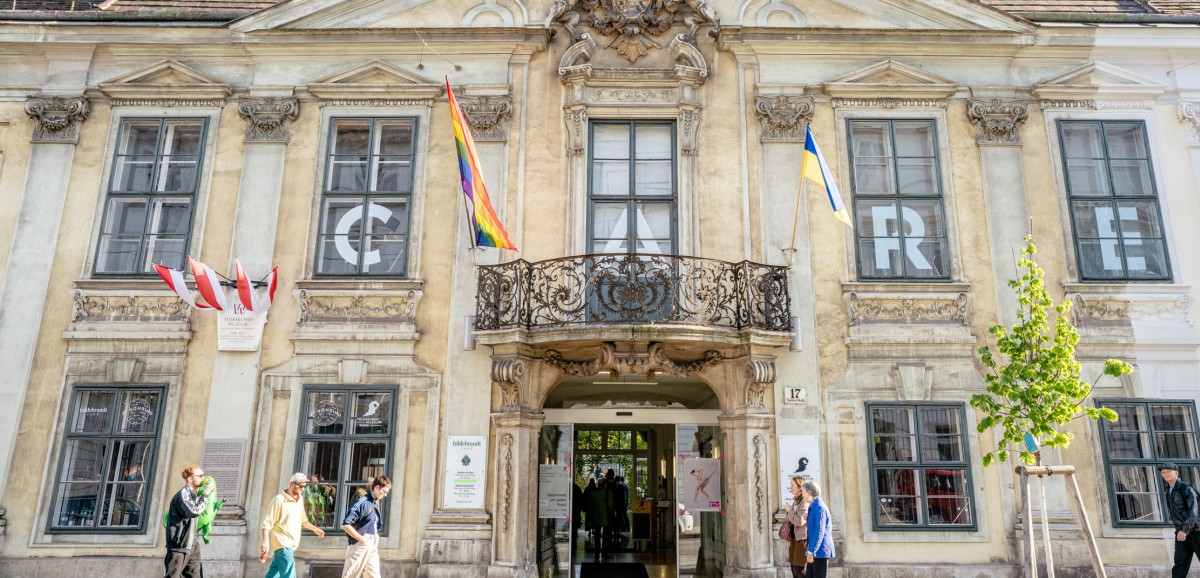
[739, 83]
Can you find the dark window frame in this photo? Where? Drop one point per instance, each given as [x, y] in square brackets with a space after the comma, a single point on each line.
[391, 438]
[632, 199]
[920, 464]
[1153, 461]
[367, 195]
[111, 436]
[149, 196]
[897, 198]
[1114, 199]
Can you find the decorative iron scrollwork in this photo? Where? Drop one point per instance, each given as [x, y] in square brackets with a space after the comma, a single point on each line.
[632, 289]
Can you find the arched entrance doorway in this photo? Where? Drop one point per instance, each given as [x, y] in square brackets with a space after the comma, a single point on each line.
[630, 479]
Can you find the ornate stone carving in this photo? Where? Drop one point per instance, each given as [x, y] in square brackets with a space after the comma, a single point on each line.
[998, 121]
[506, 442]
[426, 102]
[907, 309]
[577, 129]
[169, 102]
[268, 119]
[632, 23]
[689, 120]
[760, 375]
[1092, 104]
[141, 308]
[359, 308]
[1088, 311]
[57, 119]
[507, 374]
[3, 521]
[658, 354]
[759, 493]
[576, 368]
[638, 95]
[783, 117]
[1189, 113]
[890, 103]
[488, 116]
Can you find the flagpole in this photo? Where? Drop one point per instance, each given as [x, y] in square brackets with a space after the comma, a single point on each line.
[796, 217]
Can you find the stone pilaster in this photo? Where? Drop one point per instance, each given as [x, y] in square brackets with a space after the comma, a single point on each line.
[749, 509]
[515, 432]
[55, 132]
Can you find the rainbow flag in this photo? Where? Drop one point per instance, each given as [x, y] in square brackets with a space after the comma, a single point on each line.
[488, 230]
[813, 168]
[132, 473]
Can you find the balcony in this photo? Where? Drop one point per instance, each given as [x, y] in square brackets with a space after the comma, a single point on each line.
[625, 290]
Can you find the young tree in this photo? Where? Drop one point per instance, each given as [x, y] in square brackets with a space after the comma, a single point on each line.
[1033, 384]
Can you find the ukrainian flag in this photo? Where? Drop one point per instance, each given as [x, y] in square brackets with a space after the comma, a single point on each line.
[813, 168]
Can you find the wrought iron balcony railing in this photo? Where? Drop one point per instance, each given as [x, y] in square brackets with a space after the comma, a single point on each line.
[632, 289]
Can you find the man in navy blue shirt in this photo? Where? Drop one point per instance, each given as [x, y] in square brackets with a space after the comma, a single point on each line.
[362, 529]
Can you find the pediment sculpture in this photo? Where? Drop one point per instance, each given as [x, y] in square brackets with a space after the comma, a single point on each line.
[633, 24]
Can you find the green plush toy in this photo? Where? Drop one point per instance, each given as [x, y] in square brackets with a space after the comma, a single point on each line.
[213, 504]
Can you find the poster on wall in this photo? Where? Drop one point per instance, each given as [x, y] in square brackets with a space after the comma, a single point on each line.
[239, 329]
[687, 440]
[799, 455]
[700, 484]
[466, 472]
[554, 490]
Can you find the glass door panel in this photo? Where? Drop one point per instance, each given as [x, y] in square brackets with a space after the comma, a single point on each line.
[700, 499]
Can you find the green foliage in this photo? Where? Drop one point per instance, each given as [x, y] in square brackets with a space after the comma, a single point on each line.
[1033, 383]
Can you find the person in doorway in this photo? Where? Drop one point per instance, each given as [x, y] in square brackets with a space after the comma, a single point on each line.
[621, 505]
[281, 528]
[576, 511]
[1182, 504]
[797, 515]
[599, 504]
[361, 526]
[183, 549]
[820, 532]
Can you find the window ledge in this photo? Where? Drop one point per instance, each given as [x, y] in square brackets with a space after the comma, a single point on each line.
[359, 284]
[144, 303]
[923, 535]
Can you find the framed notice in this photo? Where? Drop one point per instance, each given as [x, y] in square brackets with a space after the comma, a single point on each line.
[799, 455]
[239, 329]
[554, 490]
[224, 459]
[466, 472]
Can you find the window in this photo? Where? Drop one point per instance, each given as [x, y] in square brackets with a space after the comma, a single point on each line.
[631, 192]
[1145, 435]
[919, 472]
[104, 475]
[345, 442]
[1114, 205]
[368, 192]
[151, 195]
[901, 232]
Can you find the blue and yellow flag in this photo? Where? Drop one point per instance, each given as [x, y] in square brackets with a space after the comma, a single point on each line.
[814, 169]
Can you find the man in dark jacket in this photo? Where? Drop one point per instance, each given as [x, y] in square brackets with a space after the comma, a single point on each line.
[183, 549]
[1182, 506]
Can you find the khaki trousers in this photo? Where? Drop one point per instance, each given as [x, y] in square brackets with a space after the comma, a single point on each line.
[362, 559]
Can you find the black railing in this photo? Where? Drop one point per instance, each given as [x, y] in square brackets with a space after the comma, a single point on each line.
[632, 289]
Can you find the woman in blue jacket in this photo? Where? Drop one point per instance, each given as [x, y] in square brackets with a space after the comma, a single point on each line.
[820, 531]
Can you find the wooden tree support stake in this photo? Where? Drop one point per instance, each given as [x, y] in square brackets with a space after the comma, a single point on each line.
[1030, 559]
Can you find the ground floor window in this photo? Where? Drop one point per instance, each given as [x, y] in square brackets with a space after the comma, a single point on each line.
[345, 442]
[919, 472]
[1145, 434]
[109, 446]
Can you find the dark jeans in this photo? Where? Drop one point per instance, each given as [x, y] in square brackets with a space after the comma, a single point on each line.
[818, 568]
[598, 542]
[180, 564]
[1183, 554]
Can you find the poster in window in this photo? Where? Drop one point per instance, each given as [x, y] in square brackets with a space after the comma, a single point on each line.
[700, 484]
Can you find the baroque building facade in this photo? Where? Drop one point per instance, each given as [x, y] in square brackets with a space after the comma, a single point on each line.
[675, 304]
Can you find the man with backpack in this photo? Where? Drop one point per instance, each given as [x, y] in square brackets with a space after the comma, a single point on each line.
[361, 525]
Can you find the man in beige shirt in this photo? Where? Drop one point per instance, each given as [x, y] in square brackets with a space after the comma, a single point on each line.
[281, 528]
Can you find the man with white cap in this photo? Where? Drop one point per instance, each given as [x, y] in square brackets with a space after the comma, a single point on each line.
[281, 528]
[1183, 512]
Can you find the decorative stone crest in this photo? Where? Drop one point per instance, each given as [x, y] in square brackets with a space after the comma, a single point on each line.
[141, 308]
[907, 309]
[360, 308]
[998, 121]
[783, 117]
[268, 119]
[1189, 113]
[760, 375]
[633, 24]
[488, 116]
[57, 119]
[506, 374]
[1095, 310]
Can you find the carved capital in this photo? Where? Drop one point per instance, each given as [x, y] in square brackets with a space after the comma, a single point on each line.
[268, 119]
[783, 117]
[57, 120]
[998, 121]
[488, 116]
[760, 376]
[1189, 114]
[507, 374]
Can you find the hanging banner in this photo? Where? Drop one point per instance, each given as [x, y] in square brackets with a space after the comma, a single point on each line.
[466, 472]
[700, 484]
[799, 455]
[239, 329]
[554, 490]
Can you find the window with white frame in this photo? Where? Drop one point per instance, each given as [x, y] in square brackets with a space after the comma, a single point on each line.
[1113, 201]
[105, 468]
[151, 198]
[920, 476]
[897, 191]
[1146, 434]
[367, 197]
